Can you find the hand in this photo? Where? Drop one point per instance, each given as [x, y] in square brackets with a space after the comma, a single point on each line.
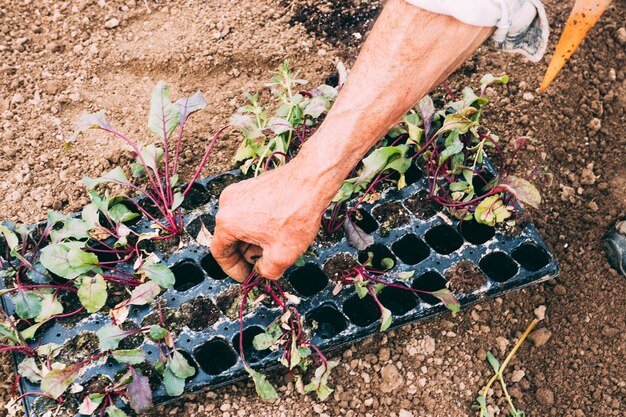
[268, 221]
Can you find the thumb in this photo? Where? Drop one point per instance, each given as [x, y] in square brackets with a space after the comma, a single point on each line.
[273, 263]
[224, 249]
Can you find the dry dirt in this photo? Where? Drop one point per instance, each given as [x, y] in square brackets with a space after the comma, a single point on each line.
[59, 59]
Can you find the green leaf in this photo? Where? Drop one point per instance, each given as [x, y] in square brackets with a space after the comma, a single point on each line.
[263, 388]
[11, 238]
[453, 147]
[119, 213]
[188, 105]
[50, 306]
[158, 273]
[157, 333]
[319, 382]
[91, 216]
[110, 336]
[139, 393]
[57, 381]
[360, 288]
[482, 404]
[164, 116]
[129, 356]
[92, 293]
[406, 275]
[75, 229]
[28, 305]
[174, 386]
[29, 369]
[144, 294]
[8, 333]
[88, 121]
[448, 299]
[180, 367]
[67, 260]
[523, 190]
[491, 211]
[387, 263]
[386, 320]
[115, 176]
[317, 106]
[90, 404]
[493, 361]
[488, 79]
[29, 333]
[178, 200]
[263, 341]
[113, 411]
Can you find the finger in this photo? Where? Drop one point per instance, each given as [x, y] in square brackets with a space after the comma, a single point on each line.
[224, 249]
[252, 253]
[272, 264]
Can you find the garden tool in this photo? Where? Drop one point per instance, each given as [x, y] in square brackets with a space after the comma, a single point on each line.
[584, 15]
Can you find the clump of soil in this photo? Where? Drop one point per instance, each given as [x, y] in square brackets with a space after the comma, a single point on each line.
[79, 348]
[514, 228]
[326, 239]
[465, 277]
[133, 341]
[229, 301]
[197, 196]
[390, 216]
[70, 302]
[335, 266]
[41, 405]
[421, 205]
[197, 314]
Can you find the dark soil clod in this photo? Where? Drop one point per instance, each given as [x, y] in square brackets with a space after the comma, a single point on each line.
[430, 281]
[215, 356]
[443, 239]
[327, 320]
[498, 266]
[308, 280]
[411, 249]
[187, 274]
[465, 277]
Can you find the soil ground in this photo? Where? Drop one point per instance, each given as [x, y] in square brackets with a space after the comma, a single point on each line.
[59, 59]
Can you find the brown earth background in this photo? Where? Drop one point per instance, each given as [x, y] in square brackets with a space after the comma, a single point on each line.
[59, 59]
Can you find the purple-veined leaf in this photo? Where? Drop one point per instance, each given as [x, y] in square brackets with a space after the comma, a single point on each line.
[144, 294]
[27, 304]
[90, 404]
[356, 236]
[50, 306]
[523, 190]
[110, 336]
[97, 120]
[92, 292]
[448, 299]
[115, 176]
[427, 113]
[164, 115]
[57, 381]
[188, 105]
[491, 211]
[29, 369]
[8, 333]
[139, 392]
[159, 274]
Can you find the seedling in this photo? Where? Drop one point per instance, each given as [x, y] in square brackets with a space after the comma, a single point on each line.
[481, 401]
[156, 166]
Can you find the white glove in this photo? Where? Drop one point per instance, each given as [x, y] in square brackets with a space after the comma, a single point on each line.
[521, 25]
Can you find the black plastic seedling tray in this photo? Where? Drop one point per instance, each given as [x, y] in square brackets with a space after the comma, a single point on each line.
[405, 228]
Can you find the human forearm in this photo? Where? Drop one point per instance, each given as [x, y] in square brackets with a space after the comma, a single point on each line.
[409, 51]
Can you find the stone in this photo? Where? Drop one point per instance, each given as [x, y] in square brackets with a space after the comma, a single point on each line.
[391, 379]
[540, 337]
[540, 313]
[112, 23]
[545, 396]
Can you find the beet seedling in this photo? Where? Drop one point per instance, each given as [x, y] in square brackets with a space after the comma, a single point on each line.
[156, 166]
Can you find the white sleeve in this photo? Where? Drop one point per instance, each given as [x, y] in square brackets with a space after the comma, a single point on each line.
[521, 25]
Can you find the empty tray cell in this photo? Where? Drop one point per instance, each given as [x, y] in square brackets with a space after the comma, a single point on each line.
[421, 205]
[397, 300]
[411, 249]
[413, 174]
[328, 320]
[308, 280]
[429, 282]
[215, 356]
[196, 197]
[187, 275]
[361, 311]
[498, 266]
[481, 181]
[443, 239]
[251, 354]
[365, 221]
[212, 268]
[382, 258]
[531, 257]
[195, 226]
[476, 233]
